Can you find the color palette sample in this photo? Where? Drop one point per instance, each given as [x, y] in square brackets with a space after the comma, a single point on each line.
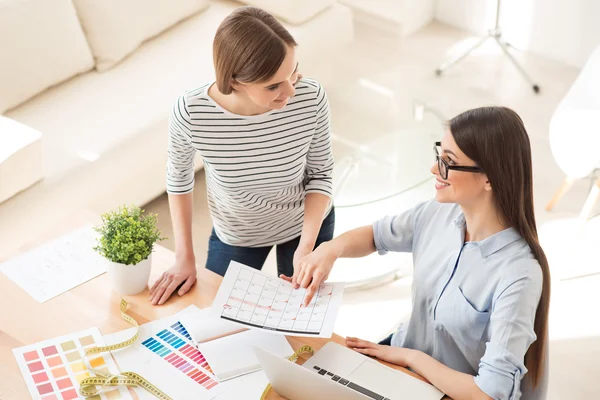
[179, 328]
[53, 369]
[174, 345]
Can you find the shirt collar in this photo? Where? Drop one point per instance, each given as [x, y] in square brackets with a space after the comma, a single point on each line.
[493, 243]
[459, 221]
[498, 241]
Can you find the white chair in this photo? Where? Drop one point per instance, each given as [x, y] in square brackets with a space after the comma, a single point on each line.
[575, 133]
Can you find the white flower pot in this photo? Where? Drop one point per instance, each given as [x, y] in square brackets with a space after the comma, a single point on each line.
[129, 279]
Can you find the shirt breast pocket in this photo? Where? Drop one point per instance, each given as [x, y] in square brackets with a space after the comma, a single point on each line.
[461, 320]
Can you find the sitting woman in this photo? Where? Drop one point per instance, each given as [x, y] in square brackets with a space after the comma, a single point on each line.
[481, 285]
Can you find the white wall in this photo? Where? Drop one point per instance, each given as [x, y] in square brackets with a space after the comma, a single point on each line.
[563, 30]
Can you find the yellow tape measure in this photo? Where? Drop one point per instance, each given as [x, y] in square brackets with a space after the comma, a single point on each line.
[92, 386]
[293, 358]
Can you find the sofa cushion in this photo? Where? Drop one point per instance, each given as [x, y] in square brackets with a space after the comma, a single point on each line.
[21, 151]
[292, 11]
[51, 48]
[115, 28]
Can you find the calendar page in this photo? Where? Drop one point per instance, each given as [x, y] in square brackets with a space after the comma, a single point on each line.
[253, 299]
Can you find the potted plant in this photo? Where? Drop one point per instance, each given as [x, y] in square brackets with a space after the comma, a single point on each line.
[127, 237]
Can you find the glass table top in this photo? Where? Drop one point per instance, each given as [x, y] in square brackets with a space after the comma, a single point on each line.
[387, 165]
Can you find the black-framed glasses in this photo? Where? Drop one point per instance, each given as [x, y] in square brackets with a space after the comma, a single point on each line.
[444, 167]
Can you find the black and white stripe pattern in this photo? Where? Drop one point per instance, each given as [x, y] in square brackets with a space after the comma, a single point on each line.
[258, 168]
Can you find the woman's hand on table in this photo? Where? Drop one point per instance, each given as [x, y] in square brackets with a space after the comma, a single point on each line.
[392, 354]
[182, 276]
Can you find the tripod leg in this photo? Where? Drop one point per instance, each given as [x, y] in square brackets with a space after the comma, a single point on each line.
[454, 60]
[504, 48]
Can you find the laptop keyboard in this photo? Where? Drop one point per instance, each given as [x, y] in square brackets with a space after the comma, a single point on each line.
[349, 384]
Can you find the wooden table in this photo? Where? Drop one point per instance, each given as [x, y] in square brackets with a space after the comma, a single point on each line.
[24, 321]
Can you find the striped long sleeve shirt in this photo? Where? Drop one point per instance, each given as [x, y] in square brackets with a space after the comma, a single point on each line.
[258, 168]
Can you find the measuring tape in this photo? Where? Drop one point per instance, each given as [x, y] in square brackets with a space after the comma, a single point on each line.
[92, 386]
[293, 358]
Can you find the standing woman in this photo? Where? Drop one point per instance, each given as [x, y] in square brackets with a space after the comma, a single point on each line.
[263, 134]
[481, 282]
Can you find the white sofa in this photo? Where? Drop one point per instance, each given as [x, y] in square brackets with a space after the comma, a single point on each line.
[104, 133]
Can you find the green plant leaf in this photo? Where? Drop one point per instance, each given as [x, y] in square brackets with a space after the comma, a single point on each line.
[127, 235]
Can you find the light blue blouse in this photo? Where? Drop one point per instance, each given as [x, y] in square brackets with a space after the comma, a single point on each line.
[474, 303]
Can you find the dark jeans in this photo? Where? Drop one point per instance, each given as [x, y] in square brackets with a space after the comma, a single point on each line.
[387, 341]
[220, 254]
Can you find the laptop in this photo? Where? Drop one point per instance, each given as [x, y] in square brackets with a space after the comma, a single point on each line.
[337, 372]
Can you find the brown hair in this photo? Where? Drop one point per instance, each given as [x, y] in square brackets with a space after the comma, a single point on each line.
[496, 139]
[249, 46]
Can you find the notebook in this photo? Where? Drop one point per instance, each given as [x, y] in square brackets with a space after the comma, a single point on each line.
[204, 327]
[232, 356]
[228, 348]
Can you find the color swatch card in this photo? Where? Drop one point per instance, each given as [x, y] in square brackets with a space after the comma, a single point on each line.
[53, 369]
[174, 345]
[57, 266]
[254, 299]
[166, 356]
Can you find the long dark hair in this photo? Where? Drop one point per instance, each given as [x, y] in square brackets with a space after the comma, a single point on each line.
[495, 138]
